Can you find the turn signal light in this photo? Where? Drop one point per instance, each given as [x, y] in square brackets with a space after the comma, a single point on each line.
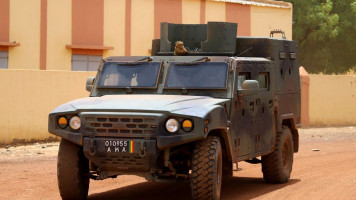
[187, 125]
[62, 122]
[207, 122]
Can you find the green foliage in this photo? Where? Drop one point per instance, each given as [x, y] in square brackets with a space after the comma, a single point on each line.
[326, 34]
[353, 7]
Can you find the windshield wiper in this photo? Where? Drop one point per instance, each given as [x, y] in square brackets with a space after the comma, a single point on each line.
[137, 62]
[195, 62]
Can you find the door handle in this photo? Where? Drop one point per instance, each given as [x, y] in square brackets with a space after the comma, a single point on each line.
[270, 103]
[258, 102]
[252, 105]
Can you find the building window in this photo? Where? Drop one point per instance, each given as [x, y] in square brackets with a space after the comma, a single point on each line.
[4, 56]
[85, 62]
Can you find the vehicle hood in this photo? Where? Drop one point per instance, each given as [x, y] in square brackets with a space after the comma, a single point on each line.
[177, 104]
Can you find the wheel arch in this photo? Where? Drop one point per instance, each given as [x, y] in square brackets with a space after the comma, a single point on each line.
[289, 121]
[224, 140]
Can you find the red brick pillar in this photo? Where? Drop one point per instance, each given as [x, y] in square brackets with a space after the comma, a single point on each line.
[304, 85]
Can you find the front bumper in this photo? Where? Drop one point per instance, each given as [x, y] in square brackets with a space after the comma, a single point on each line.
[109, 154]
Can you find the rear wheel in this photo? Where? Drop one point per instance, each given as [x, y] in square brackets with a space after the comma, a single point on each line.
[207, 169]
[277, 166]
[72, 171]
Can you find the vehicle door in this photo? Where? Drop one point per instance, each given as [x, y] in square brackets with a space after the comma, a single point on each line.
[264, 138]
[244, 126]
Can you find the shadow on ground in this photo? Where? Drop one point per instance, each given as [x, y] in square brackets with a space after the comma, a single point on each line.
[234, 188]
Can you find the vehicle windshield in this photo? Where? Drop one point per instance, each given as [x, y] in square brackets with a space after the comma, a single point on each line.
[201, 75]
[135, 75]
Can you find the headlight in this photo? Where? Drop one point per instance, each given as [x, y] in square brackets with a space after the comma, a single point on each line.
[187, 125]
[172, 125]
[62, 122]
[74, 123]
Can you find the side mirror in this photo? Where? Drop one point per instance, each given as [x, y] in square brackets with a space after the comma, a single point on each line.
[249, 87]
[89, 84]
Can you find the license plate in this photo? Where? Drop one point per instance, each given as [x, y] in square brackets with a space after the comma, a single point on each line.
[119, 146]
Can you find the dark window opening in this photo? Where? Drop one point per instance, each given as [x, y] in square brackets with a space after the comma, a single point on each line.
[85, 62]
[241, 78]
[263, 80]
[4, 57]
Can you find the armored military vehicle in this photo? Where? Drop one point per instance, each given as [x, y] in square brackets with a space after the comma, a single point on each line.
[185, 113]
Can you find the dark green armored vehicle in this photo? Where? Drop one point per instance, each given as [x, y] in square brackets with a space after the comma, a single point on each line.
[203, 101]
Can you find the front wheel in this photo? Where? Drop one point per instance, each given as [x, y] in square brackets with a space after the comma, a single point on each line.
[72, 171]
[277, 166]
[207, 169]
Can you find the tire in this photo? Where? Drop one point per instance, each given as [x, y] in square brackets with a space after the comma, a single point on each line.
[277, 166]
[72, 171]
[207, 169]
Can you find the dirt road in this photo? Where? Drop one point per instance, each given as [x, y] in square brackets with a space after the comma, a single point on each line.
[29, 172]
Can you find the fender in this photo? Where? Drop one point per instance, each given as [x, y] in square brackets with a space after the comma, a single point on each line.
[217, 118]
[74, 137]
[219, 126]
[290, 117]
[214, 118]
[292, 125]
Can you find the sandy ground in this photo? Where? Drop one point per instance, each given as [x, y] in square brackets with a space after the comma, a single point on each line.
[29, 172]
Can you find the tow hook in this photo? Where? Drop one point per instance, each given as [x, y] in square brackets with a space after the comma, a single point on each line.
[143, 150]
[168, 163]
[92, 147]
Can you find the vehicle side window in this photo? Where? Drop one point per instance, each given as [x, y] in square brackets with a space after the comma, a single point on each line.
[263, 80]
[241, 78]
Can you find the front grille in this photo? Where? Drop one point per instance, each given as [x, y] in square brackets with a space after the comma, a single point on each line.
[122, 162]
[129, 160]
[120, 125]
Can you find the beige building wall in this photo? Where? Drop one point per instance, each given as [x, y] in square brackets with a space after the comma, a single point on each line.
[214, 11]
[191, 11]
[134, 35]
[266, 19]
[59, 34]
[332, 100]
[25, 29]
[142, 27]
[28, 96]
[114, 27]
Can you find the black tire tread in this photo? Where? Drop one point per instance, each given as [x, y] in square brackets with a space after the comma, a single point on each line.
[271, 163]
[203, 168]
[72, 171]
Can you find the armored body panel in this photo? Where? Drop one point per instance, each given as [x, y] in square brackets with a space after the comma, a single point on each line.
[214, 38]
[283, 55]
